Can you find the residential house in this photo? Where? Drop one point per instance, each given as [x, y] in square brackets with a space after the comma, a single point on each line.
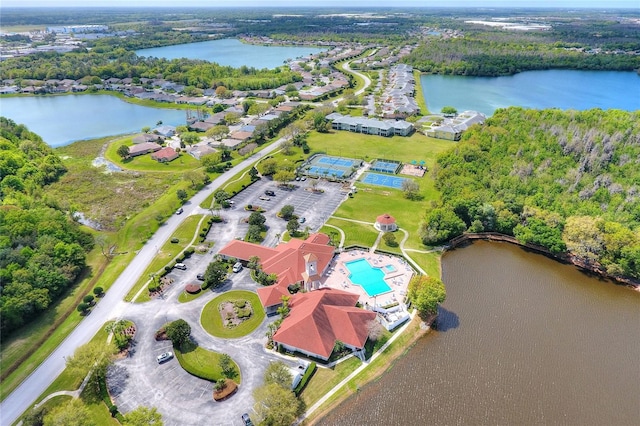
[147, 137]
[165, 155]
[370, 126]
[143, 148]
[165, 130]
[452, 128]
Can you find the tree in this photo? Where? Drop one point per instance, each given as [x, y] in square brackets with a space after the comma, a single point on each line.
[284, 176]
[268, 166]
[179, 332]
[220, 195]
[449, 110]
[88, 298]
[257, 219]
[286, 212]
[389, 239]
[286, 146]
[93, 355]
[411, 189]
[253, 173]
[98, 291]
[182, 195]
[83, 307]
[441, 225]
[143, 416]
[375, 330]
[227, 366]
[217, 132]
[146, 129]
[277, 372]
[71, 413]
[275, 405]
[123, 151]
[292, 226]
[215, 274]
[426, 293]
[254, 233]
[190, 138]
[231, 118]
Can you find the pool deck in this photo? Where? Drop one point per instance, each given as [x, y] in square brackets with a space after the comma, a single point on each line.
[337, 276]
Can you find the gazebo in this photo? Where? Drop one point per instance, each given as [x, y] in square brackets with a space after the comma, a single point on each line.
[386, 223]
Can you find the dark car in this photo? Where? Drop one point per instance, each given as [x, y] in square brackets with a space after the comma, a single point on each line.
[270, 193]
[246, 419]
[200, 277]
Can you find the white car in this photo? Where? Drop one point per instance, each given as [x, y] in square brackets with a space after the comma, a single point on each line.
[237, 267]
[165, 356]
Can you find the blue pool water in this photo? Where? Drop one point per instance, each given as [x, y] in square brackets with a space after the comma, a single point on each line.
[389, 268]
[367, 277]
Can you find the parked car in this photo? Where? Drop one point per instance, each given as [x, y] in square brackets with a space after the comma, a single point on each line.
[302, 220]
[263, 198]
[180, 266]
[165, 356]
[200, 277]
[237, 267]
[246, 419]
[179, 211]
[270, 193]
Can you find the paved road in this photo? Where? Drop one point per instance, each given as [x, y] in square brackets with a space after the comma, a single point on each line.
[111, 306]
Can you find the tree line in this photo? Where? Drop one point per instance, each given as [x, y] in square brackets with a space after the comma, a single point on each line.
[564, 180]
[42, 250]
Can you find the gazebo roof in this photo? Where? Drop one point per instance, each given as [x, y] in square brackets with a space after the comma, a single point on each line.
[385, 219]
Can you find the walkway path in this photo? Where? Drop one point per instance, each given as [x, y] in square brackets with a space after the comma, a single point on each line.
[342, 235]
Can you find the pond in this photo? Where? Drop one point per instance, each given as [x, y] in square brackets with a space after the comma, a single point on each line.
[60, 120]
[232, 52]
[564, 89]
[521, 339]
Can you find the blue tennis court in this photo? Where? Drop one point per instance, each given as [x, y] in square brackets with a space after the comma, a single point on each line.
[383, 180]
[334, 161]
[325, 171]
[385, 166]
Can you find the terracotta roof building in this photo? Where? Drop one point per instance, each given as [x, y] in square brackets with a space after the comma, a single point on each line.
[165, 155]
[320, 318]
[386, 223]
[143, 148]
[296, 261]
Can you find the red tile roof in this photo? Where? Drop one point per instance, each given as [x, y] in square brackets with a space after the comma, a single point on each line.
[165, 154]
[319, 318]
[287, 261]
[385, 219]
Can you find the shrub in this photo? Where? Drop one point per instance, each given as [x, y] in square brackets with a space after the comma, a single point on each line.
[244, 313]
[88, 298]
[82, 307]
[240, 303]
[175, 240]
[305, 378]
[113, 410]
[390, 239]
[153, 287]
[189, 251]
[98, 291]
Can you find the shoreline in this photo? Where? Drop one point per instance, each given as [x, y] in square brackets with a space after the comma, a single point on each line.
[565, 258]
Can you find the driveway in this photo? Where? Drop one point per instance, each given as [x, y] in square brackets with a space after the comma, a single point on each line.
[183, 399]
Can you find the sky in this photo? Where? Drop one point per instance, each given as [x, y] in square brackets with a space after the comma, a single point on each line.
[598, 4]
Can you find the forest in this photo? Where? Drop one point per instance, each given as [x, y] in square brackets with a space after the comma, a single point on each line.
[42, 250]
[120, 63]
[568, 181]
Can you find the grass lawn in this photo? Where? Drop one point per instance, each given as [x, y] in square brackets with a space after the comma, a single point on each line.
[430, 262]
[419, 94]
[355, 233]
[203, 363]
[145, 163]
[166, 254]
[325, 379]
[212, 320]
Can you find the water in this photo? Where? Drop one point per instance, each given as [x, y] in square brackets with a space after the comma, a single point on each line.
[564, 89]
[232, 52]
[371, 279]
[60, 120]
[521, 340]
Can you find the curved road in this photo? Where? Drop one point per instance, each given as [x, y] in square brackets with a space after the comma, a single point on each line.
[112, 305]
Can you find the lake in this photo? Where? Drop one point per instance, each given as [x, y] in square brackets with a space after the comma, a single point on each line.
[564, 89]
[520, 340]
[232, 52]
[60, 120]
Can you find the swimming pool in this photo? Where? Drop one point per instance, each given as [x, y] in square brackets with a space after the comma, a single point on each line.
[368, 277]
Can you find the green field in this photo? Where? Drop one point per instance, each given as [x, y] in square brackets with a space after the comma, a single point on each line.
[212, 320]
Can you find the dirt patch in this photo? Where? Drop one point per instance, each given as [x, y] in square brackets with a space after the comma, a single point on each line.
[230, 387]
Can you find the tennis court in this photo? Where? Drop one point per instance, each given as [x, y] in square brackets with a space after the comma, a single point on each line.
[383, 180]
[326, 166]
[385, 166]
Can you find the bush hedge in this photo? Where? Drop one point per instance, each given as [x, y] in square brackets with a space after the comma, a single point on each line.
[305, 378]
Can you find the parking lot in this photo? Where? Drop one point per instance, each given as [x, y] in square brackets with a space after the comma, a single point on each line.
[315, 207]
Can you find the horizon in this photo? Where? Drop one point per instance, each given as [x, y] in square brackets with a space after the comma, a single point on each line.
[306, 4]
